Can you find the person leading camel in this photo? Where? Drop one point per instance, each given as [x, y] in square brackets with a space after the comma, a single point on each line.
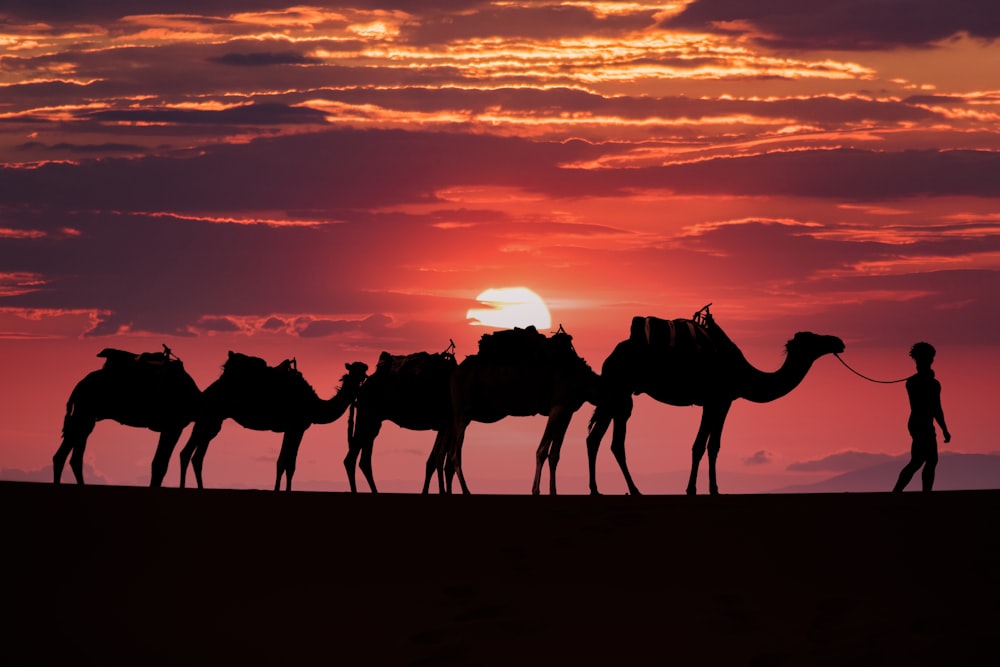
[924, 392]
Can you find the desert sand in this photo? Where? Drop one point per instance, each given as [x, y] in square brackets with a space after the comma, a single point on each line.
[127, 575]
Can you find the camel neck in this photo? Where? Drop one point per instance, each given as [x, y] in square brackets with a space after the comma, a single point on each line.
[764, 387]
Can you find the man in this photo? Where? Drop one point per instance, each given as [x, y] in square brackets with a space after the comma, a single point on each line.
[924, 392]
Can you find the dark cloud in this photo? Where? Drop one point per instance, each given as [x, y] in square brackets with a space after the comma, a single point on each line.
[274, 324]
[857, 25]
[372, 324]
[846, 174]
[841, 462]
[521, 22]
[357, 169]
[251, 114]
[166, 275]
[761, 457]
[826, 110]
[262, 59]
[218, 324]
[82, 148]
[71, 11]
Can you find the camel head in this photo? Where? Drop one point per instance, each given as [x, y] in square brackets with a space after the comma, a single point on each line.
[357, 372]
[813, 346]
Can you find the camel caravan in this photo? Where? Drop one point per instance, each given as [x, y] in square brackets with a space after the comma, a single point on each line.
[516, 372]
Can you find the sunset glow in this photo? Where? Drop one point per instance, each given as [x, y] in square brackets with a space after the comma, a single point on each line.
[336, 180]
[510, 307]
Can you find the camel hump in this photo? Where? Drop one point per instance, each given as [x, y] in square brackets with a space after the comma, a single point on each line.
[116, 357]
[677, 334]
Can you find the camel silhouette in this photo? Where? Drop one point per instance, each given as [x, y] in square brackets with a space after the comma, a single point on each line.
[691, 362]
[149, 390]
[412, 391]
[266, 398]
[518, 373]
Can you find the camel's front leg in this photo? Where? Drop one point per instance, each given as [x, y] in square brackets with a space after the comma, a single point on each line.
[454, 461]
[618, 449]
[197, 445]
[435, 462]
[541, 454]
[161, 459]
[286, 458]
[552, 439]
[715, 444]
[362, 442]
[350, 464]
[618, 444]
[698, 451]
[599, 424]
[76, 430]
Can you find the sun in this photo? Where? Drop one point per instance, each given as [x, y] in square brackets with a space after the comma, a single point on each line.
[509, 307]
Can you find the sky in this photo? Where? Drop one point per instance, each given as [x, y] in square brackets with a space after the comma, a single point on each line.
[329, 181]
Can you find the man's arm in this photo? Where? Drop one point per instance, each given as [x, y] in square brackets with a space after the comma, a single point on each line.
[939, 416]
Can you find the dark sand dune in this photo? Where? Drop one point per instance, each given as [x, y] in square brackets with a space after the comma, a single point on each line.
[127, 575]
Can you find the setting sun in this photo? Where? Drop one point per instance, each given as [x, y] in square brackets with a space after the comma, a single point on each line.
[508, 307]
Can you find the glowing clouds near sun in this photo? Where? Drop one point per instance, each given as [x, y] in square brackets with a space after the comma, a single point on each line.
[509, 307]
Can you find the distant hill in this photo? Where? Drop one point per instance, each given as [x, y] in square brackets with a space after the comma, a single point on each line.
[955, 472]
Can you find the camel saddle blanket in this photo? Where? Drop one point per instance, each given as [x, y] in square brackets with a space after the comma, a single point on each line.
[679, 334]
[121, 359]
[513, 345]
[416, 364]
[243, 364]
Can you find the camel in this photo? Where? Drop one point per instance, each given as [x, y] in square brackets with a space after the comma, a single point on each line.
[519, 373]
[265, 398]
[149, 390]
[691, 362]
[412, 391]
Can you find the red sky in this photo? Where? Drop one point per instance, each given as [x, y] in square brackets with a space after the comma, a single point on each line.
[329, 181]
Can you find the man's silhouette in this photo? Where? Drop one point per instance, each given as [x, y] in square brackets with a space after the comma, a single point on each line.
[924, 392]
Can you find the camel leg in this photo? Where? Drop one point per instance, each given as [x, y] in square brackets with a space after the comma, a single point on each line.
[76, 430]
[454, 461]
[161, 459]
[197, 445]
[715, 444]
[286, 458]
[554, 451]
[350, 464]
[620, 422]
[366, 464]
[435, 462]
[541, 454]
[362, 441]
[599, 424]
[555, 427]
[698, 450]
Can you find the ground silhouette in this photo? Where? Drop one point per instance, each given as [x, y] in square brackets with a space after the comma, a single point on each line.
[113, 575]
[519, 373]
[412, 391]
[149, 390]
[691, 362]
[266, 398]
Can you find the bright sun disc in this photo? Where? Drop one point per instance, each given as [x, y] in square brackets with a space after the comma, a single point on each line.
[509, 307]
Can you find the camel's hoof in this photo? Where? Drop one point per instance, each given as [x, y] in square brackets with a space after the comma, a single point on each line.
[691, 491]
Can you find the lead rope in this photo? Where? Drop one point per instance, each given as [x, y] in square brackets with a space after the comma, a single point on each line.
[865, 376]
